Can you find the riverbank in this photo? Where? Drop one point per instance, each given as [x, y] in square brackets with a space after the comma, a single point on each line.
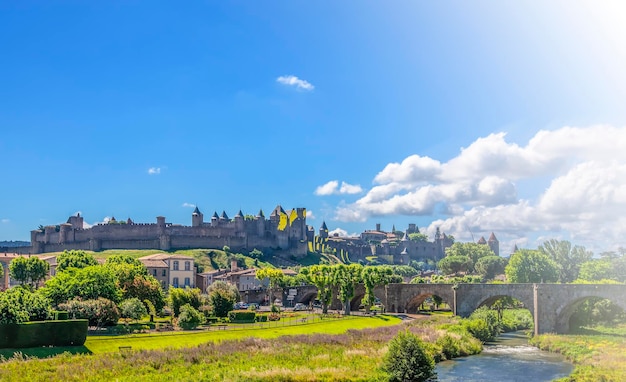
[354, 355]
[598, 354]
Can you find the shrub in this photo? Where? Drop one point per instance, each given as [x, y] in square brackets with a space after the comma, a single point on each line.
[408, 359]
[100, 312]
[275, 308]
[241, 316]
[60, 315]
[261, 318]
[483, 324]
[189, 318]
[450, 346]
[273, 317]
[43, 333]
[182, 296]
[132, 309]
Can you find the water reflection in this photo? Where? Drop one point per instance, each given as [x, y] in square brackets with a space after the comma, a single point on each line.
[508, 359]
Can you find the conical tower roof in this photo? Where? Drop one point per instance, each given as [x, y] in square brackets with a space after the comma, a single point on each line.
[260, 214]
[481, 240]
[492, 238]
[196, 211]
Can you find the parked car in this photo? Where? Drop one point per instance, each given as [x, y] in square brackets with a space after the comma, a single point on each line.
[240, 305]
[299, 306]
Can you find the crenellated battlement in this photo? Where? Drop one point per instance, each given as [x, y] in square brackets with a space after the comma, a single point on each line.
[284, 230]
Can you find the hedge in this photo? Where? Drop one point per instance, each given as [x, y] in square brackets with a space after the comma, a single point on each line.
[43, 333]
[241, 316]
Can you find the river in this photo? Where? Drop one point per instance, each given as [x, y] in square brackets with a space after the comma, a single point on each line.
[509, 359]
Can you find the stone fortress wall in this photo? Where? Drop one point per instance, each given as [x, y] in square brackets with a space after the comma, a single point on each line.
[282, 232]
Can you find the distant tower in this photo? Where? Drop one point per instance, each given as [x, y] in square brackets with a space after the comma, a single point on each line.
[323, 231]
[197, 218]
[494, 244]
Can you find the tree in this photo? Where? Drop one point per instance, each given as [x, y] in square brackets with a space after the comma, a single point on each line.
[490, 266]
[374, 276]
[596, 270]
[222, 297]
[273, 275]
[408, 360]
[454, 264]
[145, 288]
[88, 283]
[568, 258]
[322, 277]
[418, 237]
[346, 277]
[75, 259]
[19, 304]
[28, 270]
[531, 266]
[181, 296]
[189, 317]
[133, 309]
[472, 250]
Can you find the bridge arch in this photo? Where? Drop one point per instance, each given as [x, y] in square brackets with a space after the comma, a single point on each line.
[565, 311]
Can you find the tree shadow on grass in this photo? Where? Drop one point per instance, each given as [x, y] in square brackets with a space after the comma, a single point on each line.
[41, 352]
[586, 331]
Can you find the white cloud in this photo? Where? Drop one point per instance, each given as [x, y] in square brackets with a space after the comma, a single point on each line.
[154, 170]
[188, 205]
[333, 187]
[5, 221]
[327, 189]
[478, 189]
[341, 233]
[295, 81]
[310, 214]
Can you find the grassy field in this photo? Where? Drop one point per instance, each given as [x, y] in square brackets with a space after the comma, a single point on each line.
[599, 354]
[334, 351]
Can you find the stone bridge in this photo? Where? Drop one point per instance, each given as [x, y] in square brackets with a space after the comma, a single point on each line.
[551, 305]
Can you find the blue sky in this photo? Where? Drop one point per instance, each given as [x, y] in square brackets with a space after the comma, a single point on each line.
[470, 116]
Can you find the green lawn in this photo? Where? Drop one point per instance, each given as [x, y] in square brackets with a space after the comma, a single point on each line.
[180, 339]
[103, 344]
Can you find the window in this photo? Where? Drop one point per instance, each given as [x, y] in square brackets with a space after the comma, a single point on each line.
[175, 283]
[154, 272]
[175, 265]
[164, 272]
[187, 265]
[187, 281]
[163, 284]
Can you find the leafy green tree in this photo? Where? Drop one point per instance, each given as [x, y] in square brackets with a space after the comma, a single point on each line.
[222, 297]
[181, 296]
[374, 276]
[490, 266]
[597, 269]
[322, 277]
[132, 308]
[274, 276]
[408, 360]
[88, 283]
[346, 277]
[75, 259]
[21, 299]
[472, 250]
[404, 270]
[454, 264]
[568, 258]
[256, 254]
[145, 288]
[531, 266]
[189, 317]
[28, 270]
[419, 237]
[123, 259]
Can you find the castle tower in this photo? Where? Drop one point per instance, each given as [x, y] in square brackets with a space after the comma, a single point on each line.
[214, 219]
[76, 221]
[260, 223]
[197, 218]
[494, 244]
[323, 231]
[481, 240]
[239, 221]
